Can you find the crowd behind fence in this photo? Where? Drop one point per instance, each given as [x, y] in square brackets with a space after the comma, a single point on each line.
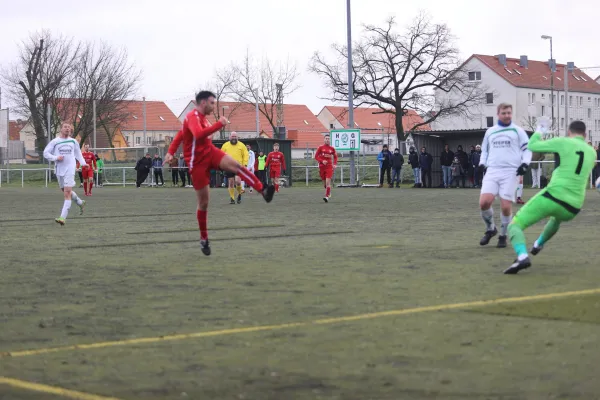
[301, 175]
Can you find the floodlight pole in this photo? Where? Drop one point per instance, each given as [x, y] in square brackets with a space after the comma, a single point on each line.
[350, 90]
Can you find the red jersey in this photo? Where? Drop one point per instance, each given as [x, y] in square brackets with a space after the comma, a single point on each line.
[196, 137]
[275, 160]
[327, 153]
[90, 159]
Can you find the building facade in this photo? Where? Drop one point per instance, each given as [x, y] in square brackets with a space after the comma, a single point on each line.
[533, 90]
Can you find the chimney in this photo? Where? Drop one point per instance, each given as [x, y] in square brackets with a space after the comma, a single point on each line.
[524, 62]
[502, 59]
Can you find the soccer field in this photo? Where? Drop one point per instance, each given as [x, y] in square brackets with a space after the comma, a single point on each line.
[380, 294]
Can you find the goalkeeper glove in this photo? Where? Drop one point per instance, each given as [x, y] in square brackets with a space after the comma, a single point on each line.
[522, 170]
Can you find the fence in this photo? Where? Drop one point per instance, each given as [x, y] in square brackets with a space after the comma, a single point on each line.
[306, 174]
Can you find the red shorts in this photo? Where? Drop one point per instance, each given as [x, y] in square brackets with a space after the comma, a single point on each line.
[200, 172]
[274, 173]
[87, 173]
[326, 172]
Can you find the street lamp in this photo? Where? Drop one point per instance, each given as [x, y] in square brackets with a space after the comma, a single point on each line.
[546, 37]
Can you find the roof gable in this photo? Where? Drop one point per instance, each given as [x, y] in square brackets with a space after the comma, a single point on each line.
[373, 120]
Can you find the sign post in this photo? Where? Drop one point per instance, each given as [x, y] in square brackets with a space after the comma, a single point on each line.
[345, 139]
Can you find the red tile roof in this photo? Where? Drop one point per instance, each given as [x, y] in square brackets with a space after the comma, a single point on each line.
[370, 120]
[154, 111]
[302, 125]
[537, 74]
[14, 129]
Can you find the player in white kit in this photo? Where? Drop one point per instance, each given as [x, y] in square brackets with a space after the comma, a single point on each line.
[64, 150]
[505, 155]
[250, 166]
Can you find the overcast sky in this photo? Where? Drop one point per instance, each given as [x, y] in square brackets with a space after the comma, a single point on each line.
[179, 43]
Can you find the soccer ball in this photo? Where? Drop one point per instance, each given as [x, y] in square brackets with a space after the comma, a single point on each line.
[598, 184]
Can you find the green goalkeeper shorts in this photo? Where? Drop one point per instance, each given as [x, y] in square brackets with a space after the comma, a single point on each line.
[541, 206]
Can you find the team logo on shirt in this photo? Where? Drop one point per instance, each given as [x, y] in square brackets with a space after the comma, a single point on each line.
[501, 142]
[65, 149]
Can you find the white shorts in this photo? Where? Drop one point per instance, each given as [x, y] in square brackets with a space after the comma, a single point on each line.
[66, 181]
[501, 183]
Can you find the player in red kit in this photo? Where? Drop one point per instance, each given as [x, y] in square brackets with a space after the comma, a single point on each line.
[276, 164]
[327, 158]
[201, 156]
[88, 171]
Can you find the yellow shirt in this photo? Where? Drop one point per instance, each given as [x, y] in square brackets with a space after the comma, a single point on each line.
[237, 151]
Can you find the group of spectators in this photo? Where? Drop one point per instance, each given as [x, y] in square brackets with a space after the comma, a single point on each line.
[177, 166]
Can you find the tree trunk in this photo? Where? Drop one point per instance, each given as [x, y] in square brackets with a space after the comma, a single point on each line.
[38, 126]
[399, 126]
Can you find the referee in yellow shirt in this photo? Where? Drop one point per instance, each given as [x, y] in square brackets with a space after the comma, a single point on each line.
[238, 151]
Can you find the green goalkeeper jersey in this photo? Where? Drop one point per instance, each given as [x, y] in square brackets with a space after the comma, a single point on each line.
[574, 161]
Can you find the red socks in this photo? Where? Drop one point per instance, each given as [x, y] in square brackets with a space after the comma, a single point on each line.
[85, 187]
[328, 191]
[277, 187]
[90, 186]
[201, 215]
[250, 178]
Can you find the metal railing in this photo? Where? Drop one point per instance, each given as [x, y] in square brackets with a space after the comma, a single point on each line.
[126, 175]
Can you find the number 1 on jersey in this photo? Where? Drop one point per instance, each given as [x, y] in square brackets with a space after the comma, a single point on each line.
[580, 163]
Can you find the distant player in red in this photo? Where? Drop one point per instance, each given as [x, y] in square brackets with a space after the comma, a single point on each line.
[327, 158]
[88, 171]
[276, 164]
[202, 156]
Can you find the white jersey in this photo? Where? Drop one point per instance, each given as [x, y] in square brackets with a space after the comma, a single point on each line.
[69, 149]
[251, 160]
[505, 147]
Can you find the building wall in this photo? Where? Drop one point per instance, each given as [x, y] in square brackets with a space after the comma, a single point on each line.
[328, 120]
[27, 136]
[151, 137]
[503, 91]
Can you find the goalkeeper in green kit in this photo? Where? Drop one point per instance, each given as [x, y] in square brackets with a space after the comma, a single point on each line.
[562, 199]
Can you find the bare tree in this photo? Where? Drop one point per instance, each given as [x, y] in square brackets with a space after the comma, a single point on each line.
[417, 69]
[105, 75]
[38, 77]
[222, 85]
[258, 81]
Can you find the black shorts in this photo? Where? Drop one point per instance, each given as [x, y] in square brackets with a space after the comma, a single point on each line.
[229, 175]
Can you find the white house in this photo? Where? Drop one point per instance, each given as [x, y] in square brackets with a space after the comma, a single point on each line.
[161, 124]
[527, 85]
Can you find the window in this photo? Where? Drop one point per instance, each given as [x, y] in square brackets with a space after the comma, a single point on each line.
[543, 97]
[589, 113]
[553, 99]
[475, 76]
[589, 99]
[580, 101]
[161, 118]
[138, 140]
[583, 79]
[127, 139]
[570, 101]
[490, 121]
[330, 126]
[148, 140]
[160, 136]
[575, 77]
[562, 122]
[562, 99]
[529, 98]
[489, 98]
[517, 71]
[543, 110]
[532, 98]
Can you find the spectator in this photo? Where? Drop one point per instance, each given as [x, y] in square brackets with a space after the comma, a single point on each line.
[463, 159]
[536, 169]
[446, 160]
[385, 165]
[182, 170]
[100, 167]
[157, 165]
[425, 163]
[143, 169]
[173, 166]
[477, 170]
[471, 170]
[457, 171]
[261, 169]
[397, 163]
[413, 160]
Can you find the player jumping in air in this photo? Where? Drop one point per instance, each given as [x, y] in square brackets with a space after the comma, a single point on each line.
[327, 158]
[238, 151]
[562, 199]
[276, 164]
[64, 150]
[505, 155]
[88, 171]
[201, 156]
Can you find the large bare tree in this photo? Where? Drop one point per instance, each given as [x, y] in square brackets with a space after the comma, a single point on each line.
[258, 82]
[38, 77]
[417, 69]
[223, 85]
[103, 74]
